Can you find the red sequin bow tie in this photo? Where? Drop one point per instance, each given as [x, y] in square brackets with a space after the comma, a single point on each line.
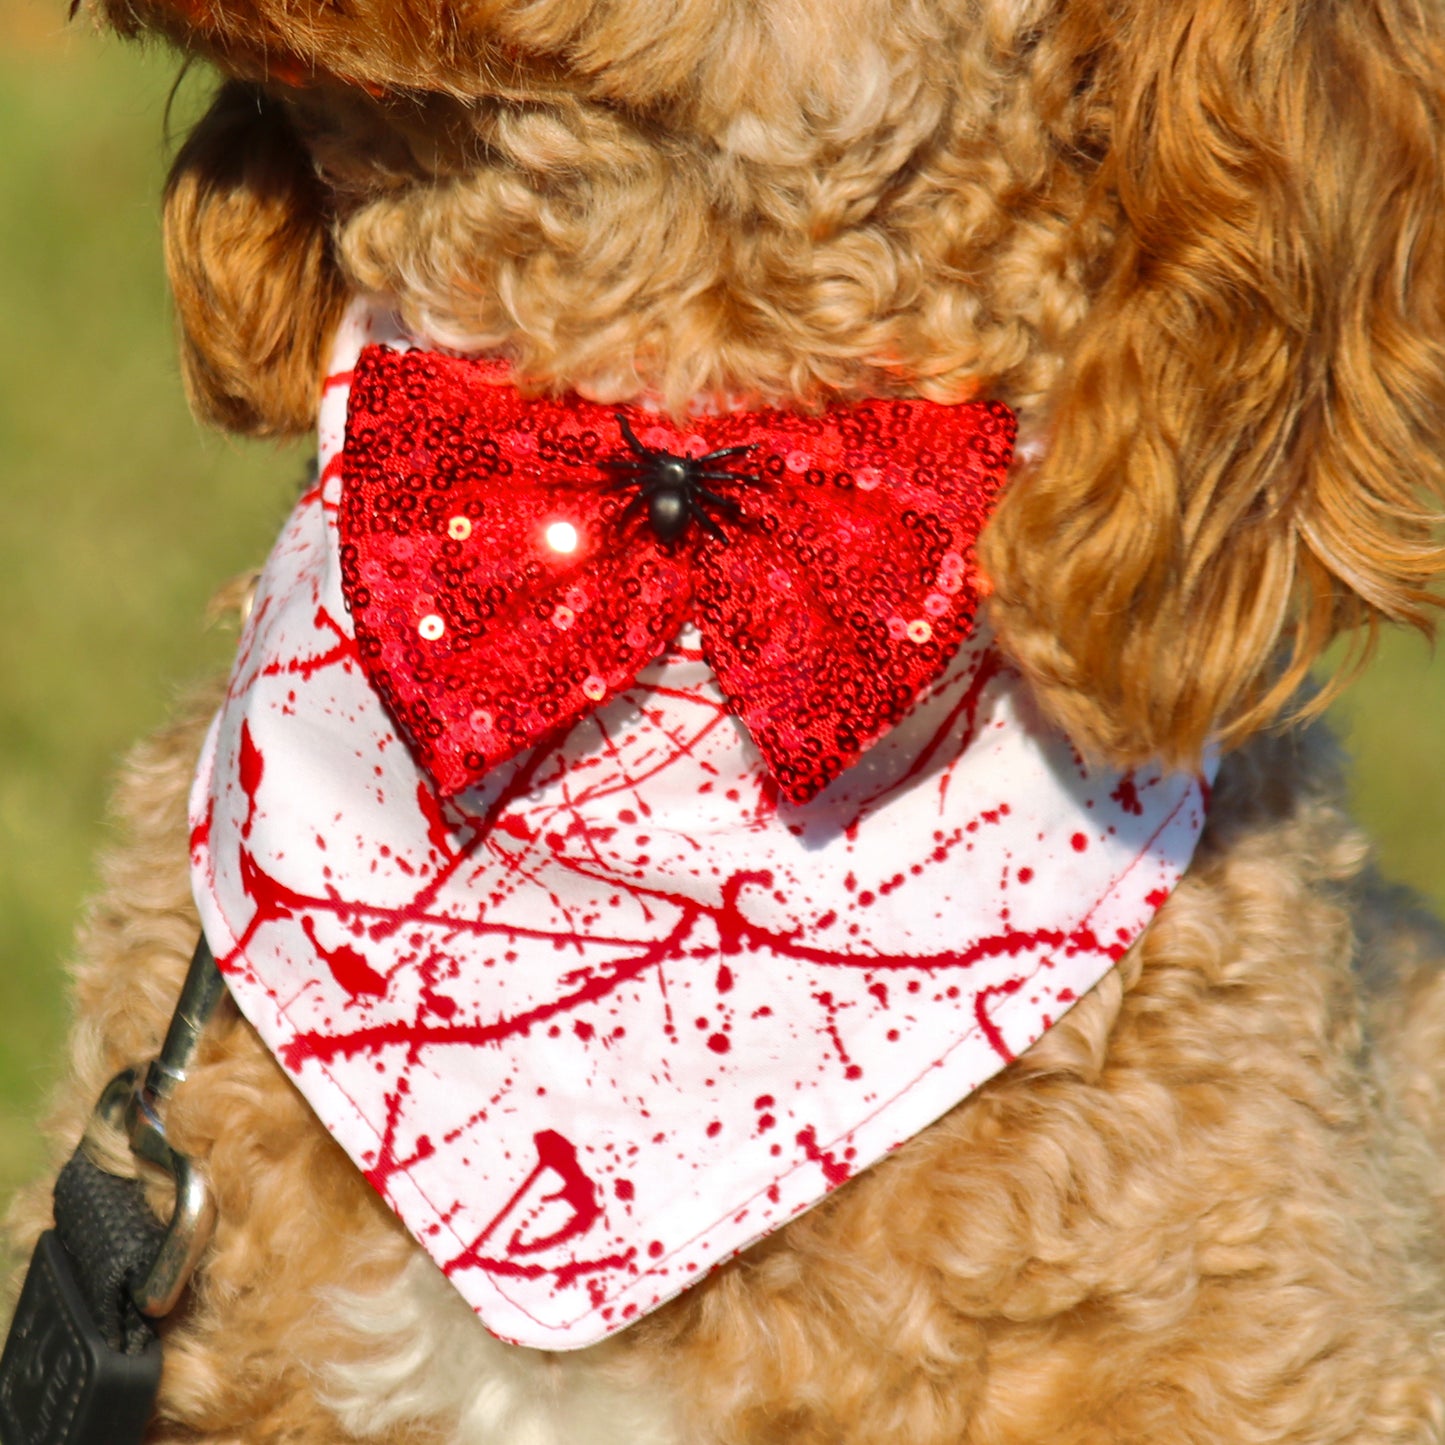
[511, 564]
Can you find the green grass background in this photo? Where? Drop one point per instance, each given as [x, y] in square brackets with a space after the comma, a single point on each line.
[118, 518]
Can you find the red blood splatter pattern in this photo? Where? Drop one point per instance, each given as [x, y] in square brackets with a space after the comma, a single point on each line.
[599, 1022]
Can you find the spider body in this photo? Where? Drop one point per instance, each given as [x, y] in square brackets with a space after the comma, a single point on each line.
[674, 489]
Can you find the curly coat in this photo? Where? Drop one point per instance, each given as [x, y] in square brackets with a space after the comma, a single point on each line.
[1200, 246]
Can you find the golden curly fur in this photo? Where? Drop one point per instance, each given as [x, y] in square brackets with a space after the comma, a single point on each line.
[1200, 246]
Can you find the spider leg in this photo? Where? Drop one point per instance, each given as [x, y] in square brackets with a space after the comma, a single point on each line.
[624, 476]
[747, 478]
[630, 437]
[726, 452]
[706, 523]
[727, 504]
[630, 510]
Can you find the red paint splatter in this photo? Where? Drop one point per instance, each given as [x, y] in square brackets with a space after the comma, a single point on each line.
[1079, 842]
[980, 1012]
[557, 1158]
[597, 983]
[768, 796]
[834, 1171]
[252, 770]
[201, 833]
[1126, 795]
[438, 833]
[720, 1044]
[830, 1004]
[343, 651]
[347, 966]
[591, 986]
[961, 725]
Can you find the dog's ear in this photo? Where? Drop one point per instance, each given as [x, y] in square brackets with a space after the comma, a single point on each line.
[248, 251]
[1246, 446]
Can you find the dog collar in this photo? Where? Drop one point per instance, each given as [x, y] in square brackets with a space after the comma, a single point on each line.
[601, 1020]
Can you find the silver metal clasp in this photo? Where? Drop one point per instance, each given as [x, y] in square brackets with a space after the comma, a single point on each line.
[136, 1104]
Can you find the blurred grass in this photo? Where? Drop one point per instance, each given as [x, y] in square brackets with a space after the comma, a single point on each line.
[119, 519]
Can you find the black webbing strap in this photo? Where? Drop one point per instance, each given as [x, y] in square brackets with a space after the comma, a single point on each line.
[112, 1240]
[81, 1364]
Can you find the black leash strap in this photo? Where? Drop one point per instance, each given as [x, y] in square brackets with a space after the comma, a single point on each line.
[82, 1363]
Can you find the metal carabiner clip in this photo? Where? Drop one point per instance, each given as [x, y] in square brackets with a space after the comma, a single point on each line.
[136, 1104]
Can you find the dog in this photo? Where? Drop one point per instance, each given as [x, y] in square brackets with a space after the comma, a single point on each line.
[1187, 1184]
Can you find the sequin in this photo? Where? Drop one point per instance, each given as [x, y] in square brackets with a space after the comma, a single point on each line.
[562, 537]
[459, 529]
[835, 584]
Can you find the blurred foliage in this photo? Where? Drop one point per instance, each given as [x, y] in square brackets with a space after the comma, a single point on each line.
[120, 519]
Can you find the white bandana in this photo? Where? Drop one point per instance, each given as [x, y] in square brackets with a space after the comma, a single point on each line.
[606, 1020]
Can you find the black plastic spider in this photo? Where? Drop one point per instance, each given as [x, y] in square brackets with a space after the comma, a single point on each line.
[673, 488]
